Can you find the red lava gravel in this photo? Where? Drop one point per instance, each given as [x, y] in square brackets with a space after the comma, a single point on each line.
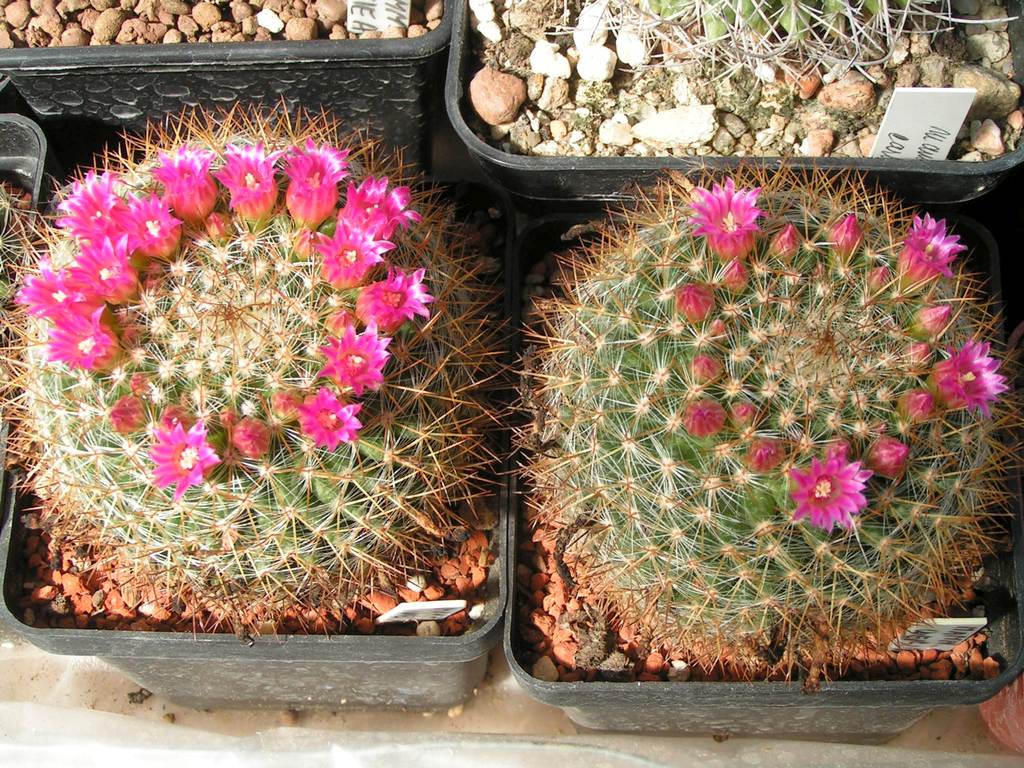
[65, 587]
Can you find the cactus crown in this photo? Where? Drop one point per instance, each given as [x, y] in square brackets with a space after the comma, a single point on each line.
[797, 34]
[255, 399]
[768, 415]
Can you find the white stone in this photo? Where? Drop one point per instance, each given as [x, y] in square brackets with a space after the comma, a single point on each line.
[270, 21]
[597, 63]
[546, 60]
[615, 132]
[591, 25]
[766, 72]
[632, 46]
[483, 11]
[491, 31]
[688, 126]
[681, 90]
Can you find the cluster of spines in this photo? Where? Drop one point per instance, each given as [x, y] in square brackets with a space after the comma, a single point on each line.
[799, 35]
[230, 335]
[690, 519]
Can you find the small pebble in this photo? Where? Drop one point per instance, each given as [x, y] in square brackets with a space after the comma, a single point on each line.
[270, 21]
[428, 629]
[596, 63]
[544, 669]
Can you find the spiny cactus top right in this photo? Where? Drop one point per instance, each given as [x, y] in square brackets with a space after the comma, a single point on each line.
[801, 34]
[770, 413]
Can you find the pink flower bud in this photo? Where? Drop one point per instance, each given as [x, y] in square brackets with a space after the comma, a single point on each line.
[218, 227]
[786, 244]
[705, 368]
[888, 457]
[127, 415]
[735, 277]
[743, 415]
[765, 454]
[920, 352]
[175, 414]
[695, 301]
[846, 236]
[228, 418]
[703, 418]
[285, 405]
[916, 405]
[139, 384]
[251, 438]
[717, 328]
[338, 322]
[304, 243]
[878, 278]
[930, 322]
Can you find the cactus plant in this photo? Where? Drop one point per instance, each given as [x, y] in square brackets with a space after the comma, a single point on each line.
[768, 418]
[250, 398]
[798, 34]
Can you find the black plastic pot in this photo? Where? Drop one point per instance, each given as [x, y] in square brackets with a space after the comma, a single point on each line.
[291, 671]
[561, 179]
[854, 711]
[387, 87]
[24, 157]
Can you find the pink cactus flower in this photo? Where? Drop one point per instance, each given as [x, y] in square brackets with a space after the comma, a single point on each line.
[704, 418]
[328, 421]
[879, 278]
[930, 322]
[285, 405]
[888, 457]
[188, 186]
[49, 294]
[847, 236]
[916, 405]
[371, 207]
[765, 454]
[313, 174]
[153, 233]
[829, 492]
[735, 277]
[83, 340]
[250, 437]
[248, 174]
[727, 217]
[181, 458]
[92, 209]
[705, 368]
[128, 415]
[968, 378]
[390, 303]
[787, 243]
[927, 251]
[356, 361]
[695, 301]
[743, 415]
[104, 270]
[349, 255]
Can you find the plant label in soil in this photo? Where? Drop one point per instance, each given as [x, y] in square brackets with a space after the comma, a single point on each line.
[922, 123]
[429, 610]
[937, 634]
[377, 15]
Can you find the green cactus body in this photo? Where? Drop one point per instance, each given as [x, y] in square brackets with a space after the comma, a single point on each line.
[692, 537]
[217, 332]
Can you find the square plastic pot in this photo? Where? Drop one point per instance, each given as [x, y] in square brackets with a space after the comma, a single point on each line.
[387, 87]
[210, 671]
[847, 711]
[557, 179]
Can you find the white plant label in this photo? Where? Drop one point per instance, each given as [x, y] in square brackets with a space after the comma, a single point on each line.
[922, 123]
[937, 634]
[429, 610]
[377, 15]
